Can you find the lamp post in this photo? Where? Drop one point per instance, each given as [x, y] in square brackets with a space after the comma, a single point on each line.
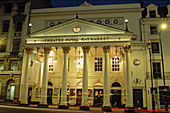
[126, 22]
[153, 100]
[163, 26]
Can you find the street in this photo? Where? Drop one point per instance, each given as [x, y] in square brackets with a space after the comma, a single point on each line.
[18, 109]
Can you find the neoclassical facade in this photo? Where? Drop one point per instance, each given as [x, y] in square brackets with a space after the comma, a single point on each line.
[106, 55]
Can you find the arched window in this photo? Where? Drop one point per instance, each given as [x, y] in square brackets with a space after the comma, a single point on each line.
[116, 84]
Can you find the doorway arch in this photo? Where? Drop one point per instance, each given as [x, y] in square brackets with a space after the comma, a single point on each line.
[98, 94]
[10, 89]
[116, 95]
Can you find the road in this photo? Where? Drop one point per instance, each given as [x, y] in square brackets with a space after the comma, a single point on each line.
[18, 109]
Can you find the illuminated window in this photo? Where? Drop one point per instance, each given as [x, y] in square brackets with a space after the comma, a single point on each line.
[115, 64]
[13, 65]
[51, 64]
[98, 64]
[1, 65]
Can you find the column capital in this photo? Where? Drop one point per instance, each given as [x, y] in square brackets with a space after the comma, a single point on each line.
[29, 50]
[47, 50]
[127, 48]
[85, 49]
[66, 50]
[106, 49]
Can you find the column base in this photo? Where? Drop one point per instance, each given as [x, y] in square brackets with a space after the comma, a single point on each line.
[62, 106]
[84, 108]
[130, 109]
[24, 105]
[43, 105]
[107, 108]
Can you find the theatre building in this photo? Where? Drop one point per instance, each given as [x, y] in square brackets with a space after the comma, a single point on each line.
[93, 56]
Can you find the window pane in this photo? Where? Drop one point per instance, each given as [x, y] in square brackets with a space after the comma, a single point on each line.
[152, 14]
[153, 30]
[18, 26]
[115, 64]
[8, 8]
[155, 47]
[98, 64]
[1, 65]
[157, 70]
[5, 26]
[14, 65]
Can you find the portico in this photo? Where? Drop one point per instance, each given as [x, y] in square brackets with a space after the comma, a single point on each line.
[70, 42]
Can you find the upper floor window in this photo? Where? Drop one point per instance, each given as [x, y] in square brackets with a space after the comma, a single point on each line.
[156, 70]
[155, 47]
[51, 64]
[115, 64]
[152, 14]
[2, 48]
[1, 65]
[5, 26]
[98, 64]
[8, 8]
[21, 7]
[13, 65]
[18, 27]
[153, 30]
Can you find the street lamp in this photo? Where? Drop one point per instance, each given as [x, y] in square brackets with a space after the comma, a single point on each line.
[163, 26]
[153, 100]
[126, 21]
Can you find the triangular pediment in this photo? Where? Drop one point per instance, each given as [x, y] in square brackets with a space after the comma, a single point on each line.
[81, 27]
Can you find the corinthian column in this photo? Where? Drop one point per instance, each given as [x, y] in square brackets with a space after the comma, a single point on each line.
[43, 101]
[24, 85]
[63, 104]
[128, 81]
[84, 103]
[106, 102]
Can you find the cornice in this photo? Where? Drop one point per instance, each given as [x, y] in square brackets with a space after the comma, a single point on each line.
[99, 11]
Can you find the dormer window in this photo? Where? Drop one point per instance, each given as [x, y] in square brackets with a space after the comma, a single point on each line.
[152, 14]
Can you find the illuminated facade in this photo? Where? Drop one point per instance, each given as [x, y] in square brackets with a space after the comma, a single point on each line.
[90, 56]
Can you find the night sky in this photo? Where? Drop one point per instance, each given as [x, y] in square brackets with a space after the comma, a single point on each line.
[69, 3]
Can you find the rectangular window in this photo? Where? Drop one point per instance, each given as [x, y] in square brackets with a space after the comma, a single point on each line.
[115, 64]
[153, 30]
[5, 26]
[156, 70]
[155, 47]
[21, 7]
[1, 65]
[2, 48]
[152, 14]
[51, 64]
[8, 8]
[14, 65]
[18, 27]
[98, 64]
[16, 45]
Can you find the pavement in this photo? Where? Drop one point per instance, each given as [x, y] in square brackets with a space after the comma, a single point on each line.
[95, 109]
[71, 107]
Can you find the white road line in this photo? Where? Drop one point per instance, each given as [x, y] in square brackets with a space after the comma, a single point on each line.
[40, 109]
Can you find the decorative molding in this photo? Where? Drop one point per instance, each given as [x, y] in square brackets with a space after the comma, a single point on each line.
[66, 50]
[29, 50]
[106, 49]
[86, 49]
[127, 48]
[47, 50]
